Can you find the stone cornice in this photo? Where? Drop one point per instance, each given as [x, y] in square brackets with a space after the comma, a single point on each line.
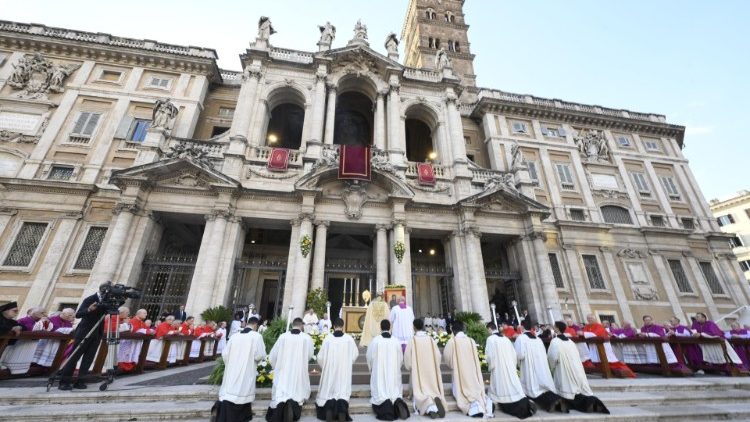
[47, 186]
[80, 45]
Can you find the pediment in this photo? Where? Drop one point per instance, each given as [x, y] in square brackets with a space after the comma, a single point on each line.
[179, 173]
[383, 183]
[503, 199]
[355, 58]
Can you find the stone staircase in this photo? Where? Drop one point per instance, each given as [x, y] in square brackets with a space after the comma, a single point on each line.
[643, 399]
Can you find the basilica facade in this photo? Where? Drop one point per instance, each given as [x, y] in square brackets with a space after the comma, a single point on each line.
[144, 163]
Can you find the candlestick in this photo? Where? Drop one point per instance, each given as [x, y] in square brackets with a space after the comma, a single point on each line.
[328, 309]
[551, 315]
[515, 308]
[494, 317]
[289, 318]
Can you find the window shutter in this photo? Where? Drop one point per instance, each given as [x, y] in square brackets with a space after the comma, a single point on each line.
[164, 83]
[81, 122]
[124, 127]
[532, 170]
[91, 124]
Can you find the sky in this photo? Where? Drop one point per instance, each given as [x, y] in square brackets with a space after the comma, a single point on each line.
[686, 59]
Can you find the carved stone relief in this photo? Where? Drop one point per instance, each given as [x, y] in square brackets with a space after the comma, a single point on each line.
[592, 145]
[354, 197]
[192, 152]
[37, 76]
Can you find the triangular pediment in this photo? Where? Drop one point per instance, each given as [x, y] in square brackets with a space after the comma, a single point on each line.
[386, 182]
[361, 57]
[177, 173]
[501, 198]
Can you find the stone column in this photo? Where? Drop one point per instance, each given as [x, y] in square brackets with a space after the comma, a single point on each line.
[588, 197]
[52, 265]
[259, 123]
[233, 242]
[330, 114]
[319, 103]
[112, 249]
[290, 268]
[319, 255]
[401, 271]
[633, 196]
[379, 132]
[546, 279]
[617, 285]
[243, 111]
[381, 257]
[206, 269]
[302, 268]
[458, 145]
[396, 143]
[480, 301]
[661, 195]
[734, 277]
[461, 298]
[492, 142]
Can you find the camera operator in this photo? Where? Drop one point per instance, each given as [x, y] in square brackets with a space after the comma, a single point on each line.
[90, 312]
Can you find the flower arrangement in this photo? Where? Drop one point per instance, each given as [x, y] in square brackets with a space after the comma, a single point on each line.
[305, 245]
[482, 359]
[265, 374]
[317, 339]
[440, 338]
[399, 249]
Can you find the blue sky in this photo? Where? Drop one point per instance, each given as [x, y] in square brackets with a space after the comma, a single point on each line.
[687, 59]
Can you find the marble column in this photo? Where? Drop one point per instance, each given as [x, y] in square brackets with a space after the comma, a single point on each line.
[319, 255]
[288, 286]
[401, 270]
[381, 247]
[396, 143]
[319, 104]
[112, 250]
[458, 145]
[461, 297]
[244, 109]
[379, 132]
[233, 242]
[301, 269]
[53, 262]
[546, 279]
[480, 301]
[206, 270]
[330, 114]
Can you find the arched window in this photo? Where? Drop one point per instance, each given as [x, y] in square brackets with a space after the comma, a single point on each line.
[451, 46]
[418, 140]
[437, 43]
[354, 118]
[431, 42]
[453, 19]
[285, 126]
[616, 215]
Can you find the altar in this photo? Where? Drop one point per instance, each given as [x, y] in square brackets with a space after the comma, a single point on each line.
[354, 318]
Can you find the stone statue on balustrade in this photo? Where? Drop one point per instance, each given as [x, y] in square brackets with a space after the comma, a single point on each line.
[327, 34]
[391, 46]
[442, 61]
[592, 145]
[381, 161]
[191, 152]
[164, 114]
[329, 157]
[360, 34]
[265, 29]
[516, 161]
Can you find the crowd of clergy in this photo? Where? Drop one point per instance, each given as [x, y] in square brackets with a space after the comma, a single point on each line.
[28, 356]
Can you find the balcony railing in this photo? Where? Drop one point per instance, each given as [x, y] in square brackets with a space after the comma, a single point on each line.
[261, 154]
[441, 172]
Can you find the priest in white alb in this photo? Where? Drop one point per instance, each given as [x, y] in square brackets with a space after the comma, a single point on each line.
[385, 358]
[289, 358]
[461, 356]
[505, 386]
[241, 356]
[402, 319]
[422, 358]
[376, 312]
[570, 377]
[336, 358]
[536, 377]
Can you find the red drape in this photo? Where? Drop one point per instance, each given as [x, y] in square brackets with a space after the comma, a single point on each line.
[278, 160]
[426, 174]
[354, 162]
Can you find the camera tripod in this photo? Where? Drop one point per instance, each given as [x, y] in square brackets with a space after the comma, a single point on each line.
[113, 343]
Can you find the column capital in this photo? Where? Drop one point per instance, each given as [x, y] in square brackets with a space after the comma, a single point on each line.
[122, 206]
[381, 93]
[309, 216]
[8, 211]
[323, 223]
[295, 222]
[382, 227]
[252, 73]
[605, 249]
[331, 87]
[472, 230]
[538, 235]
[221, 213]
[398, 222]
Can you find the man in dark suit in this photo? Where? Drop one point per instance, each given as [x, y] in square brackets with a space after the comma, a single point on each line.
[90, 312]
[181, 314]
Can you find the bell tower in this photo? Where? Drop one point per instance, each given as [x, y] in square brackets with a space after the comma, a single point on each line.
[434, 24]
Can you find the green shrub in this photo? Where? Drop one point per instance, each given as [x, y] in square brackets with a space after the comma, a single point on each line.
[467, 317]
[217, 314]
[218, 373]
[477, 331]
[275, 328]
[316, 300]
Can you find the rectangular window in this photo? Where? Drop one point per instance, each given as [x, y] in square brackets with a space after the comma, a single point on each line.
[657, 221]
[467, 140]
[735, 242]
[711, 279]
[86, 123]
[532, 170]
[623, 141]
[160, 82]
[520, 127]
[745, 265]
[138, 129]
[226, 112]
[596, 281]
[577, 214]
[90, 248]
[60, 173]
[683, 285]
[556, 271]
[218, 130]
[25, 245]
[641, 184]
[687, 223]
[725, 220]
[670, 187]
[652, 144]
[566, 176]
[552, 131]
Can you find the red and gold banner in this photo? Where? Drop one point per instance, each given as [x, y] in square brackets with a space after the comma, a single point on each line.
[354, 162]
[278, 160]
[426, 174]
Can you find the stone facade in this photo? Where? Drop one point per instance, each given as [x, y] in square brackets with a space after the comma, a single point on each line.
[146, 164]
[733, 216]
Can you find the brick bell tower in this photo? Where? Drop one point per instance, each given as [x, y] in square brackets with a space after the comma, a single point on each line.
[432, 24]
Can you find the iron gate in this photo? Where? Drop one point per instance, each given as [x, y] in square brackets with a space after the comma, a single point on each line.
[444, 276]
[165, 283]
[239, 289]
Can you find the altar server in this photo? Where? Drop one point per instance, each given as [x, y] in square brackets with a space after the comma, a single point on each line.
[291, 382]
[385, 358]
[505, 387]
[336, 357]
[422, 357]
[535, 374]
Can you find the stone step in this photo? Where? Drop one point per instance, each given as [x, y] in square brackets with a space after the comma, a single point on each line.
[200, 410]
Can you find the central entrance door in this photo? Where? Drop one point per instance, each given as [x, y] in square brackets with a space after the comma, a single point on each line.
[335, 295]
